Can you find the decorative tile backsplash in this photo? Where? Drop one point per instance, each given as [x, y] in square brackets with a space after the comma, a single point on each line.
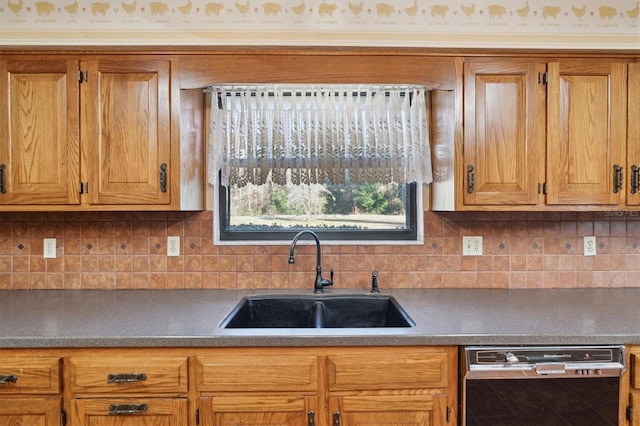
[415, 23]
[128, 250]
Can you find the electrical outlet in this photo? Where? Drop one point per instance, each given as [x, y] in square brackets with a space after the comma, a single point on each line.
[173, 246]
[49, 248]
[472, 246]
[589, 246]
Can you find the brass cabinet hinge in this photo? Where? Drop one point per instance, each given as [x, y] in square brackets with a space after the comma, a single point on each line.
[83, 76]
[63, 418]
[629, 413]
[198, 416]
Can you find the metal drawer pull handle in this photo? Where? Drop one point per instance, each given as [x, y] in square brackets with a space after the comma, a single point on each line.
[471, 179]
[635, 179]
[617, 178]
[120, 409]
[11, 378]
[126, 378]
[163, 177]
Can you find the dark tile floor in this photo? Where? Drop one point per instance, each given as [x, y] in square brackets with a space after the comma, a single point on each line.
[543, 402]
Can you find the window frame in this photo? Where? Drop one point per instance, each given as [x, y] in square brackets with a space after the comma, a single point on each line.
[412, 235]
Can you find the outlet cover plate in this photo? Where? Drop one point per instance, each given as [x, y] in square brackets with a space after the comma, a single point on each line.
[49, 248]
[173, 246]
[472, 246]
[589, 246]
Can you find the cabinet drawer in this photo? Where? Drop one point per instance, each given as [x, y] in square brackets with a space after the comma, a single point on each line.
[388, 368]
[128, 375]
[257, 371]
[130, 411]
[29, 375]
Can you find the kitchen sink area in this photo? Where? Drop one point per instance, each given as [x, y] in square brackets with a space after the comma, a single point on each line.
[318, 311]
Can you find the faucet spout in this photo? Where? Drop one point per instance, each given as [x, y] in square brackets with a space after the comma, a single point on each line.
[320, 282]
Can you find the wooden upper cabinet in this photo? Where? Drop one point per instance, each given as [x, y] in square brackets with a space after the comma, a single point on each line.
[39, 133]
[126, 131]
[586, 132]
[503, 132]
[92, 134]
[633, 137]
[548, 136]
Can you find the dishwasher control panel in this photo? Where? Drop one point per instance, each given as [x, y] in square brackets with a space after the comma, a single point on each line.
[544, 361]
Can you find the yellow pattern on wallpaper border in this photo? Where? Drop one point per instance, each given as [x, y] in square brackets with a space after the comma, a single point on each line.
[470, 23]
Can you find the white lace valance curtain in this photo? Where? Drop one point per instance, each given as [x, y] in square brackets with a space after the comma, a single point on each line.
[319, 134]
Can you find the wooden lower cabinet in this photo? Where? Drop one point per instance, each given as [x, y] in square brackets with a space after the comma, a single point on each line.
[411, 386]
[633, 407]
[260, 386]
[30, 391]
[30, 411]
[128, 387]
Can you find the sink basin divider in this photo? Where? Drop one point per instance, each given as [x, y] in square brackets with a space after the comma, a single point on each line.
[318, 317]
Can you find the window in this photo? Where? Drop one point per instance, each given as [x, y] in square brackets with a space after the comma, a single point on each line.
[345, 161]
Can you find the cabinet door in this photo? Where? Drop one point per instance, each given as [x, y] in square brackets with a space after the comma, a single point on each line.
[258, 411]
[633, 138]
[129, 412]
[39, 133]
[32, 411]
[634, 401]
[503, 133]
[126, 132]
[406, 410]
[586, 119]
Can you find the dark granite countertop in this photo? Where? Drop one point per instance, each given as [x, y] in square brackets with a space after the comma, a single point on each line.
[178, 318]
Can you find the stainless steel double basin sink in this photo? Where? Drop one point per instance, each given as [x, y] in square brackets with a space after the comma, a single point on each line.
[317, 311]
